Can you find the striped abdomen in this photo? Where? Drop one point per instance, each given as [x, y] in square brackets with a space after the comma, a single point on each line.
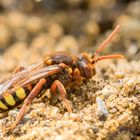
[11, 100]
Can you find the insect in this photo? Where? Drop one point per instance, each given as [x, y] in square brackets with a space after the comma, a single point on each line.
[56, 72]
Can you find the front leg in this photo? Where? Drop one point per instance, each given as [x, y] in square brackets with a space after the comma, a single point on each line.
[57, 89]
[77, 76]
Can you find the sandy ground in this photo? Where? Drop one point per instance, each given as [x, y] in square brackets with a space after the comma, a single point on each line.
[116, 86]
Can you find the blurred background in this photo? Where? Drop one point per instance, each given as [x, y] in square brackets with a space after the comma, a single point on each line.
[29, 29]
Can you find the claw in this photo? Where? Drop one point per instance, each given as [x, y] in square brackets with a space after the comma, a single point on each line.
[67, 104]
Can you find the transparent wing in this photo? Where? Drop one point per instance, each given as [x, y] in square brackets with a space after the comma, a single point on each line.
[44, 72]
[14, 78]
[27, 75]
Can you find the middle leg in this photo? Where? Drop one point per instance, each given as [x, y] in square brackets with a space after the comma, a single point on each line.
[57, 89]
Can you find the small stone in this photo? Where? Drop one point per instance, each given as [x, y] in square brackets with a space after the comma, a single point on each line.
[95, 129]
[13, 113]
[113, 110]
[102, 111]
[58, 137]
[125, 117]
[74, 117]
[108, 90]
[54, 111]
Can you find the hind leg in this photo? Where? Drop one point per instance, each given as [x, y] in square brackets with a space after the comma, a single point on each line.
[35, 91]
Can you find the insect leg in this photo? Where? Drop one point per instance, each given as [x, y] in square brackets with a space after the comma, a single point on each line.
[57, 87]
[77, 76]
[27, 101]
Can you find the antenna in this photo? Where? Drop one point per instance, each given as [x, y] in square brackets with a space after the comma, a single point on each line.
[97, 58]
[106, 42]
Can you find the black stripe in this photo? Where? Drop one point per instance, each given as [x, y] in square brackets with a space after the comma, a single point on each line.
[5, 103]
[27, 91]
[17, 99]
[2, 109]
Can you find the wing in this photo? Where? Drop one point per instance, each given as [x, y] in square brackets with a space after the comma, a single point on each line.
[44, 72]
[14, 78]
[28, 75]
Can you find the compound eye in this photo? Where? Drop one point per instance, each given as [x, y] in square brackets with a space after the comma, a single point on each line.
[88, 71]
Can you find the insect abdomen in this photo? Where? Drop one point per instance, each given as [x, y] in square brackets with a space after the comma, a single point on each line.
[11, 100]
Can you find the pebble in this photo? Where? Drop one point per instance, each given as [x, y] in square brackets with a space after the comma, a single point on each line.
[102, 111]
[75, 117]
[13, 113]
[95, 129]
[59, 137]
[108, 90]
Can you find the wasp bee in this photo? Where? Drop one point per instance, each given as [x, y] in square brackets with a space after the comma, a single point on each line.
[56, 72]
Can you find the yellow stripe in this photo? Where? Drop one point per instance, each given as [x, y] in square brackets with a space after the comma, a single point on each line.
[9, 99]
[20, 93]
[3, 106]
